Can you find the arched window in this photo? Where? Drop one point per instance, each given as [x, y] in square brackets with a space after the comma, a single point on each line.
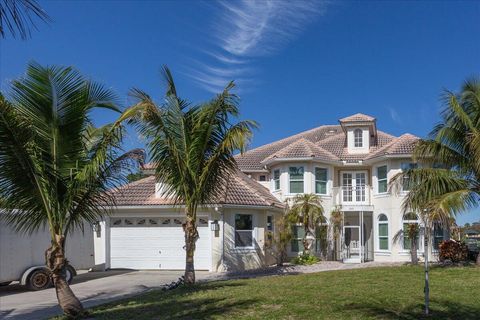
[410, 228]
[358, 138]
[383, 232]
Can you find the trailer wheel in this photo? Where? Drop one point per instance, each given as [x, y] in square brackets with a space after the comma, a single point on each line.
[3, 284]
[38, 279]
[70, 272]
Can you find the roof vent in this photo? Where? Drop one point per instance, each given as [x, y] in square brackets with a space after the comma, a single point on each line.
[331, 132]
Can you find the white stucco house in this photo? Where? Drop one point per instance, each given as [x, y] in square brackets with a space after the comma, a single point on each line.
[348, 165]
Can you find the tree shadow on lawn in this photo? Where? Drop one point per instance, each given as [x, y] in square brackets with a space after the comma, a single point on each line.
[449, 310]
[181, 303]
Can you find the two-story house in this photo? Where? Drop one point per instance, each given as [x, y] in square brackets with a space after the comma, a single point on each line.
[348, 165]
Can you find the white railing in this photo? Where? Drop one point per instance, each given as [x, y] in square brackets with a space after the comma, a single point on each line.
[349, 195]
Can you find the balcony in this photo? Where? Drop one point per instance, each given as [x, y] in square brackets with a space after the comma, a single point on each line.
[353, 198]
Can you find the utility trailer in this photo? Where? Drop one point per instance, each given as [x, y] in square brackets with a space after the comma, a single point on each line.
[22, 256]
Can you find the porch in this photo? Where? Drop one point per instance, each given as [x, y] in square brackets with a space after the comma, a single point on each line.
[356, 241]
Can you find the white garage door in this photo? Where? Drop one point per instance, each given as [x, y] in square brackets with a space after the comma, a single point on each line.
[155, 243]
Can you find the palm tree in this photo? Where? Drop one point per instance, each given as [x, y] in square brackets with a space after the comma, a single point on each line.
[449, 183]
[193, 147]
[18, 17]
[411, 231]
[307, 209]
[336, 220]
[56, 166]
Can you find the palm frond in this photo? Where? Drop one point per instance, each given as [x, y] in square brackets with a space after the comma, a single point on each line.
[18, 16]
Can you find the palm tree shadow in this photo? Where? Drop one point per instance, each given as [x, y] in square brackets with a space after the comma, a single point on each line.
[449, 310]
[179, 303]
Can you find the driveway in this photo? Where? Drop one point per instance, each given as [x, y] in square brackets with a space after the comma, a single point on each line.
[92, 288]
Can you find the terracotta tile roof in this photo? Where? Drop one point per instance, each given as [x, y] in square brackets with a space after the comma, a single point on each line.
[251, 160]
[398, 146]
[357, 117]
[241, 190]
[302, 148]
[338, 146]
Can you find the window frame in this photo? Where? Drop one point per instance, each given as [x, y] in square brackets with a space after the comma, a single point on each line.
[296, 180]
[276, 179]
[419, 238]
[383, 179]
[437, 227]
[235, 231]
[358, 139]
[379, 237]
[325, 181]
[411, 165]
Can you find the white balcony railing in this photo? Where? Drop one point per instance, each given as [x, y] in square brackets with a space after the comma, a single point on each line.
[352, 195]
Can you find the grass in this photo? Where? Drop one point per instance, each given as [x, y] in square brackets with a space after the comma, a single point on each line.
[373, 293]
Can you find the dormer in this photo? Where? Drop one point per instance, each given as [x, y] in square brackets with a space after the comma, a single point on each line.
[360, 131]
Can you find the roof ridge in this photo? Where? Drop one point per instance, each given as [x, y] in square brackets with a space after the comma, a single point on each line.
[132, 184]
[292, 136]
[248, 183]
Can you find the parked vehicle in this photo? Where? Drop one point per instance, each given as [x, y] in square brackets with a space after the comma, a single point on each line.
[22, 256]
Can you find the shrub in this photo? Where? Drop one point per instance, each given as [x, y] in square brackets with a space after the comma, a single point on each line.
[305, 259]
[453, 250]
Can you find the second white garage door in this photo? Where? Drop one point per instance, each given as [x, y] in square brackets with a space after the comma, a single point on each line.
[155, 243]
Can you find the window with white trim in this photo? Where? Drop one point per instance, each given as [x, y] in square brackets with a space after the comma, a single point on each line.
[406, 182]
[296, 179]
[270, 230]
[321, 180]
[383, 243]
[410, 226]
[382, 179]
[276, 179]
[438, 236]
[243, 230]
[358, 138]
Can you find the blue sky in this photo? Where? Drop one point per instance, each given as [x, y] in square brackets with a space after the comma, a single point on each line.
[297, 65]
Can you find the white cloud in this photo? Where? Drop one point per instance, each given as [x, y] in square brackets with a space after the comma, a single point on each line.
[394, 115]
[246, 30]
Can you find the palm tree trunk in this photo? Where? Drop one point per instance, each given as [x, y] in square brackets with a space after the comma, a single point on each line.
[56, 262]
[413, 250]
[191, 236]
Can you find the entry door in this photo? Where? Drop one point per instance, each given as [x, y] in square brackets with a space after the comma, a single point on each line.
[353, 186]
[352, 248]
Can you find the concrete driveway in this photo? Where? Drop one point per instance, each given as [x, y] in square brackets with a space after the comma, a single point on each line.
[92, 288]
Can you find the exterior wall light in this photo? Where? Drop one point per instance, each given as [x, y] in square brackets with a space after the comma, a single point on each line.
[214, 226]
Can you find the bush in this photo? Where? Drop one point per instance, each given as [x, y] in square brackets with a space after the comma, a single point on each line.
[305, 259]
[453, 250]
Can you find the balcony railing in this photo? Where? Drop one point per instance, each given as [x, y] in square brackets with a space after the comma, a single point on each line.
[352, 195]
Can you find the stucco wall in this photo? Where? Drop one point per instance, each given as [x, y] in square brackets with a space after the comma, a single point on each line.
[222, 240]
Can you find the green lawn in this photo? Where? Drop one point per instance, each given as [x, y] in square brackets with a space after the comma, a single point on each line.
[373, 293]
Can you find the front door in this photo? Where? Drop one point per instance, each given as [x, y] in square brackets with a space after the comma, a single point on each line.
[352, 247]
[353, 187]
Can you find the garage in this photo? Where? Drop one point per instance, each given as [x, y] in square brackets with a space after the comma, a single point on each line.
[156, 243]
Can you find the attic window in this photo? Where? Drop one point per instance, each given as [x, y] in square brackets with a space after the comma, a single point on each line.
[263, 178]
[358, 138]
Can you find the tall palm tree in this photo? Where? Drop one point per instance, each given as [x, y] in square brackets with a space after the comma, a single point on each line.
[336, 220]
[449, 183]
[56, 166]
[193, 147]
[307, 209]
[18, 16]
[411, 231]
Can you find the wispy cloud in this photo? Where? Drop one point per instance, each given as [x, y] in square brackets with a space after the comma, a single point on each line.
[394, 115]
[248, 30]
